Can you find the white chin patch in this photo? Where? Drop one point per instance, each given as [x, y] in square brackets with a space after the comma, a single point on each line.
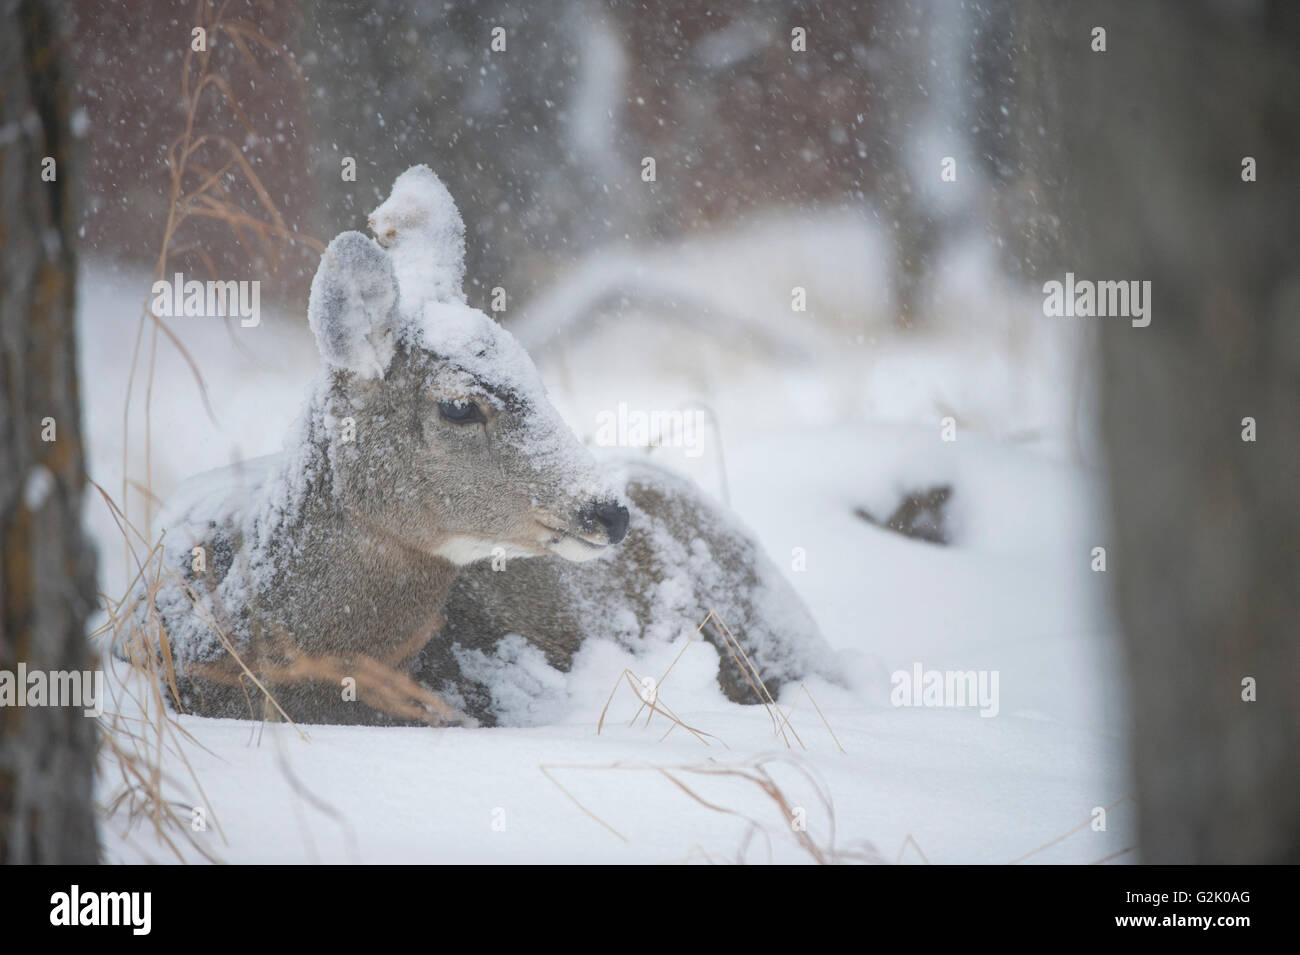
[570, 548]
[463, 549]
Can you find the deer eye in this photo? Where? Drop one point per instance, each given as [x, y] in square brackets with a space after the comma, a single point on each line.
[460, 412]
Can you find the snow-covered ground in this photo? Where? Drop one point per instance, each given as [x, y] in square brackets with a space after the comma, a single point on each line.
[795, 444]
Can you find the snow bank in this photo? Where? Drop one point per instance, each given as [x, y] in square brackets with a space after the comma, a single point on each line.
[805, 445]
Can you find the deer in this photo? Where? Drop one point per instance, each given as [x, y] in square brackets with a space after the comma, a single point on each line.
[431, 508]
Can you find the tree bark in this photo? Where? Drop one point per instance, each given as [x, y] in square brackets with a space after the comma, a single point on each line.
[46, 562]
[1204, 551]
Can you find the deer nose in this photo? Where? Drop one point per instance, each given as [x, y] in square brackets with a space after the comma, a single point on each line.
[610, 515]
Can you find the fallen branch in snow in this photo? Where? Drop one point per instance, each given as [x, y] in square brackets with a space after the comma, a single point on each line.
[572, 304]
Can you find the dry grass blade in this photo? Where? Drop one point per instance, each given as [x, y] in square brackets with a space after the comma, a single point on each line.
[755, 680]
[755, 773]
[651, 700]
[803, 688]
[655, 704]
[203, 167]
[664, 676]
[1065, 835]
[1114, 855]
[546, 771]
[909, 841]
[136, 747]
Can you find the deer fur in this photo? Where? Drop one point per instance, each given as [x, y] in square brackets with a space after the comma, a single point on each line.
[429, 503]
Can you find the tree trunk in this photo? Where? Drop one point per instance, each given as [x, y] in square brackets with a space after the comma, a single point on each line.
[1204, 550]
[47, 565]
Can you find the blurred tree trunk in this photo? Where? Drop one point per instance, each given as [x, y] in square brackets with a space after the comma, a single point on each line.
[398, 83]
[903, 102]
[46, 753]
[1204, 551]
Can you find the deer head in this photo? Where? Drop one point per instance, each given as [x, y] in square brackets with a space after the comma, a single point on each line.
[457, 450]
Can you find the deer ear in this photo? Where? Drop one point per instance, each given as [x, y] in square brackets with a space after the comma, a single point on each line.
[353, 306]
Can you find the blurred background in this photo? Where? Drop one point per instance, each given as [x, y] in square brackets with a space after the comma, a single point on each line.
[544, 138]
[854, 233]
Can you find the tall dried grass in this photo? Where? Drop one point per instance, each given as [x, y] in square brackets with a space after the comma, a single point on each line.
[208, 175]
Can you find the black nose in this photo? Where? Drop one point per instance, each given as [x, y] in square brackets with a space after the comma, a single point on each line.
[610, 515]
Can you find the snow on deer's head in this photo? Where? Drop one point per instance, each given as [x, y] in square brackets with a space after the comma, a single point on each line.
[457, 450]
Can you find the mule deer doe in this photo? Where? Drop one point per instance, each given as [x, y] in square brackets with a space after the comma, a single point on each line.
[368, 573]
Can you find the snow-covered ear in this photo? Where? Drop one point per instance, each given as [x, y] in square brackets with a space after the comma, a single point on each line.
[422, 228]
[353, 306]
